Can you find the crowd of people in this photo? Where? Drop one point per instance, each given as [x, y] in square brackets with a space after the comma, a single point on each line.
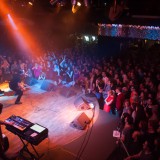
[126, 85]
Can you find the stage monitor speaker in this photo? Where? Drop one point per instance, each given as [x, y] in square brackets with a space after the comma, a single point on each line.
[48, 86]
[30, 81]
[81, 121]
[81, 104]
[67, 92]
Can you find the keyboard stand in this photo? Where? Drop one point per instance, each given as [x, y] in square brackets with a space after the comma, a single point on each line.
[35, 156]
[21, 127]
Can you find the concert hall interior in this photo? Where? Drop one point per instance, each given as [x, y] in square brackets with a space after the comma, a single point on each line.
[79, 79]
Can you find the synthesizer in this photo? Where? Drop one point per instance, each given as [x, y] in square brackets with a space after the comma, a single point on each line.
[34, 133]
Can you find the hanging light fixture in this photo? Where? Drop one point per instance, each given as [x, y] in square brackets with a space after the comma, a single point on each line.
[75, 6]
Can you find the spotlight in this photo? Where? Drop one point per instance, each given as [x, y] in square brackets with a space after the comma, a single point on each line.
[30, 3]
[93, 38]
[86, 38]
[78, 4]
[75, 6]
[11, 21]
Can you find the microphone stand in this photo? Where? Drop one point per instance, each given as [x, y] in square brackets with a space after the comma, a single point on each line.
[124, 147]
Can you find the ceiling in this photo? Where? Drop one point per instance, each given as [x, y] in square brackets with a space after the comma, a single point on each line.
[58, 14]
[100, 7]
[45, 20]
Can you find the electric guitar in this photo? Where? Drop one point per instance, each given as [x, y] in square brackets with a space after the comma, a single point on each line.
[23, 86]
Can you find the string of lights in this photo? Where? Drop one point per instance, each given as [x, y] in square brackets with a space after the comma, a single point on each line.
[129, 31]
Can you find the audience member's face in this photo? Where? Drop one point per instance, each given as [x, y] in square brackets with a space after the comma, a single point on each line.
[142, 95]
[103, 74]
[125, 89]
[131, 83]
[109, 92]
[117, 90]
[129, 111]
[111, 72]
[116, 76]
[122, 72]
[96, 71]
[124, 76]
[145, 145]
[149, 101]
[140, 125]
[126, 103]
[126, 120]
[135, 134]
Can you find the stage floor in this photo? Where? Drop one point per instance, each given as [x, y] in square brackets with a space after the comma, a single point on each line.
[50, 109]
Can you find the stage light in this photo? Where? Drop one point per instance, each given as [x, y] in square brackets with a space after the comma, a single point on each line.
[78, 4]
[30, 3]
[86, 38]
[73, 9]
[93, 38]
[12, 23]
[75, 6]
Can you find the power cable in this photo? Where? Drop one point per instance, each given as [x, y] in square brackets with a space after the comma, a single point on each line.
[84, 144]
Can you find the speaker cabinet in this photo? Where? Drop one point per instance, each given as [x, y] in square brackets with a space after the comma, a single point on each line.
[48, 86]
[81, 104]
[81, 121]
[30, 81]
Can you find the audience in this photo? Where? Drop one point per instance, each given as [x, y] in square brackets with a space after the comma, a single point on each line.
[127, 85]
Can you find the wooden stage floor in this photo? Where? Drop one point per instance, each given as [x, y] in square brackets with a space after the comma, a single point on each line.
[50, 109]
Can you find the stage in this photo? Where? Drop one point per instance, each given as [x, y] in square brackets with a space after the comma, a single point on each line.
[56, 110]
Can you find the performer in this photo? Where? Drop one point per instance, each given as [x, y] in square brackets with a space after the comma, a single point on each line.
[15, 85]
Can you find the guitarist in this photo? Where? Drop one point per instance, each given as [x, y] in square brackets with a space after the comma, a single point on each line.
[2, 148]
[15, 85]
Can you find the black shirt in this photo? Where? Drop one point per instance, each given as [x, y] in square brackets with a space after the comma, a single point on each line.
[13, 84]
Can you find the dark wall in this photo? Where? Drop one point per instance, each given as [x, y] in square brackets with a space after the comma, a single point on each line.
[108, 46]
